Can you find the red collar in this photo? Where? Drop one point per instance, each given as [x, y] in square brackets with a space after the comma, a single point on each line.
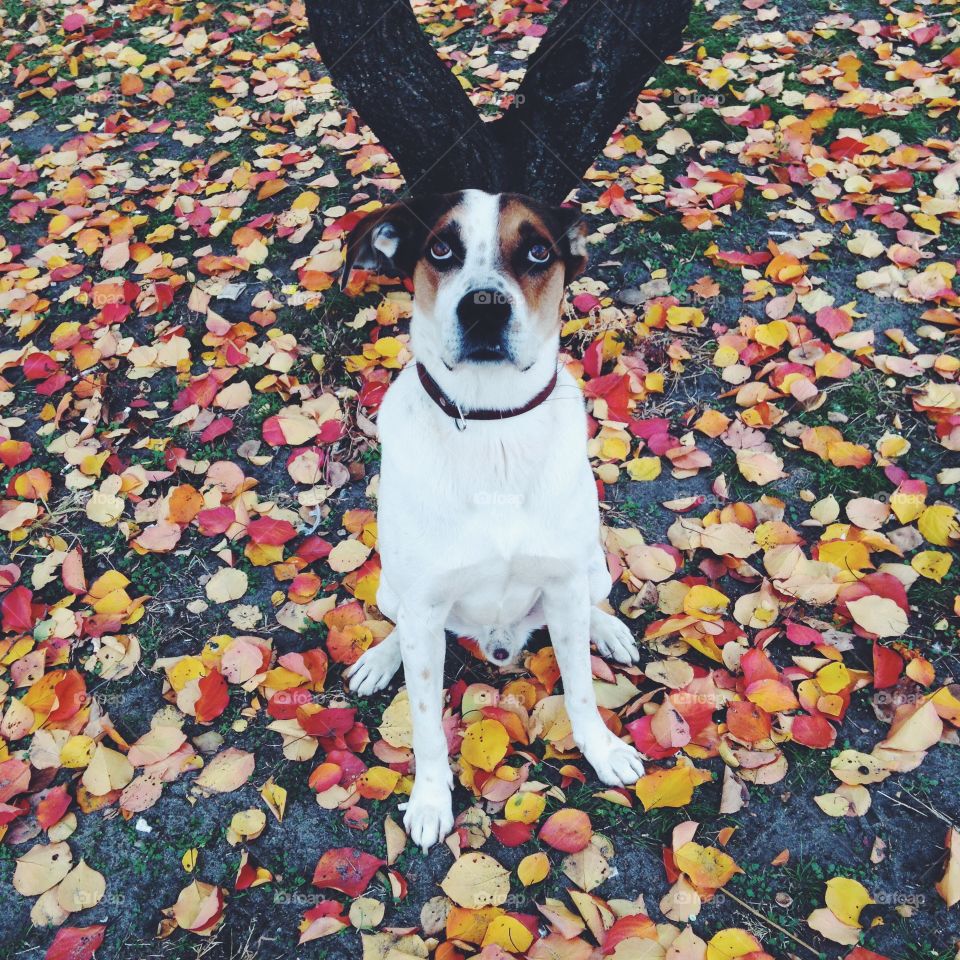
[452, 410]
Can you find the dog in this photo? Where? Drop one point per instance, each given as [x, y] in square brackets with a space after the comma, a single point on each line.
[488, 518]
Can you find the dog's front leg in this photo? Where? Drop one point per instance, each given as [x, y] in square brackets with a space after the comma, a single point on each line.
[567, 609]
[429, 813]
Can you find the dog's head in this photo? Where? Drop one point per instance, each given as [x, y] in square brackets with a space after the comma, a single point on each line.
[488, 273]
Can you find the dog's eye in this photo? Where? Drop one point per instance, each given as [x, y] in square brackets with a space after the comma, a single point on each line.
[440, 250]
[539, 253]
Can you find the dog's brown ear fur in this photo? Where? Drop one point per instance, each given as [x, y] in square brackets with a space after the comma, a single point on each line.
[390, 240]
[570, 236]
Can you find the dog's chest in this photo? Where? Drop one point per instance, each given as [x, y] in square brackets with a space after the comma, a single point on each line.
[505, 502]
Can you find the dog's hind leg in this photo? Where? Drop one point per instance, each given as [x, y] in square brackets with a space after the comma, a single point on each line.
[567, 606]
[611, 636]
[376, 667]
[388, 601]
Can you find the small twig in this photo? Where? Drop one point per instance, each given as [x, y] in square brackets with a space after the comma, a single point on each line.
[928, 809]
[776, 926]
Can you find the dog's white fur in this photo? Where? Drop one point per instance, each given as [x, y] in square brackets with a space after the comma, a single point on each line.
[489, 532]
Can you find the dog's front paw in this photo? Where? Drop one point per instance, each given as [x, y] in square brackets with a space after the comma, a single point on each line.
[616, 763]
[376, 668]
[612, 637]
[429, 814]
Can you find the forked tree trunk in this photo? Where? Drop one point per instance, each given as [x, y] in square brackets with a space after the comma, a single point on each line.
[584, 78]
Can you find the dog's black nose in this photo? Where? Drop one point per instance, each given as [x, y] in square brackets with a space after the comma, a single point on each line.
[483, 316]
[501, 653]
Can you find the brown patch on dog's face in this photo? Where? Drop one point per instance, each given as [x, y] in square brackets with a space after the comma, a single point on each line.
[428, 273]
[535, 253]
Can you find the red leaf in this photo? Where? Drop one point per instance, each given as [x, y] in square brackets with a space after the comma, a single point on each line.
[327, 722]
[636, 926]
[213, 697]
[283, 705]
[52, 807]
[269, 532]
[568, 830]
[813, 731]
[218, 428]
[801, 635]
[14, 452]
[14, 778]
[346, 869]
[646, 742]
[9, 812]
[512, 833]
[887, 666]
[76, 943]
[314, 548]
[215, 521]
[17, 608]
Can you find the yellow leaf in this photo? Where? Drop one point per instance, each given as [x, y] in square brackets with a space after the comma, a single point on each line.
[107, 771]
[226, 584]
[932, 564]
[948, 886]
[476, 880]
[347, 555]
[705, 866]
[307, 200]
[851, 766]
[246, 825]
[938, 524]
[485, 744]
[524, 807]
[845, 899]
[41, 867]
[643, 468]
[508, 933]
[533, 868]
[77, 752]
[275, 797]
[670, 788]
[704, 602]
[906, 505]
[81, 888]
[771, 334]
[732, 943]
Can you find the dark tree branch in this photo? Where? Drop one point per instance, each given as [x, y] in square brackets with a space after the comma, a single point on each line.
[377, 55]
[582, 81]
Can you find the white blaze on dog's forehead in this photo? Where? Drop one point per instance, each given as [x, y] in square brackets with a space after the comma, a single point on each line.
[478, 230]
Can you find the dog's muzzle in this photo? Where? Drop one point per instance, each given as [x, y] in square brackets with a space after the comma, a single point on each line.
[484, 316]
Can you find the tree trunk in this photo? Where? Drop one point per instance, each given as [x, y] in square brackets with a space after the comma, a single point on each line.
[584, 78]
[582, 81]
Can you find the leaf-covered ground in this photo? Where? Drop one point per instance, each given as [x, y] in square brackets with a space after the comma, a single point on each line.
[767, 340]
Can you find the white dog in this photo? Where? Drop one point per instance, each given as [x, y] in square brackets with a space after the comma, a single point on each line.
[488, 518]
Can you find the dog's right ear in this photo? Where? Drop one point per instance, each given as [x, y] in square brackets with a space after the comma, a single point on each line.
[389, 241]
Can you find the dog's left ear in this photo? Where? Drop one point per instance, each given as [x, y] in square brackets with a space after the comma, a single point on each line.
[390, 240]
[570, 236]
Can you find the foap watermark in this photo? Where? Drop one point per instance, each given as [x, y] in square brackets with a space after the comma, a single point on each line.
[899, 898]
[296, 898]
[698, 99]
[485, 298]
